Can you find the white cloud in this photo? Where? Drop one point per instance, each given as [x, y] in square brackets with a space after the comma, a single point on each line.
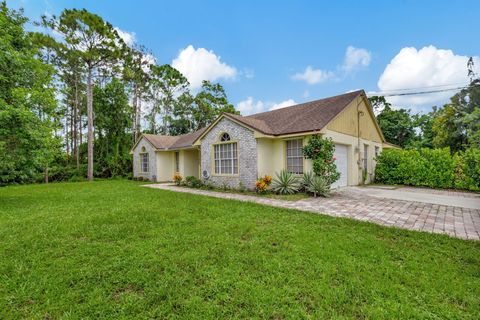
[356, 58]
[201, 64]
[249, 106]
[427, 69]
[128, 37]
[283, 104]
[312, 76]
[248, 73]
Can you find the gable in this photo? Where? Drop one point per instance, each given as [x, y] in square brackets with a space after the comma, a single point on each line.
[347, 121]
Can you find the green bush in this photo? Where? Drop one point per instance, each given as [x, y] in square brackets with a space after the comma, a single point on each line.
[435, 168]
[319, 186]
[193, 182]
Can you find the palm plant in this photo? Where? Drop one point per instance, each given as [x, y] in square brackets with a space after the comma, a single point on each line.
[285, 183]
[319, 185]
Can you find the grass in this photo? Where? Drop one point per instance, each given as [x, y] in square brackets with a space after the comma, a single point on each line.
[112, 249]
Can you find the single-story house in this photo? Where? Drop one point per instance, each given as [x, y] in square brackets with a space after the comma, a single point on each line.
[235, 150]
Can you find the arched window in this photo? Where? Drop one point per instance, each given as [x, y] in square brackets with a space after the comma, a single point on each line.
[225, 137]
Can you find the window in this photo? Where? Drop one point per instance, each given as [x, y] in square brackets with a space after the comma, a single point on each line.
[226, 158]
[295, 156]
[144, 162]
[365, 157]
[177, 161]
[225, 137]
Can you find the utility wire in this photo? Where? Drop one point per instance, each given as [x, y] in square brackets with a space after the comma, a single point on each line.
[385, 94]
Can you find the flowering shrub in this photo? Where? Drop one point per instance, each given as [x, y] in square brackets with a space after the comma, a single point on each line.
[267, 179]
[261, 186]
[321, 150]
[177, 178]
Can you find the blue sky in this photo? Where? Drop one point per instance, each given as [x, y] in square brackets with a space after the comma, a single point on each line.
[269, 54]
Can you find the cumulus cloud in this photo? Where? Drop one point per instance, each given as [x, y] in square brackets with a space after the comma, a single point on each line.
[429, 69]
[356, 58]
[313, 76]
[202, 64]
[250, 106]
[283, 104]
[128, 37]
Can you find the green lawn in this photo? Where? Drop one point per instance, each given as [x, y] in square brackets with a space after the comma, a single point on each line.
[112, 249]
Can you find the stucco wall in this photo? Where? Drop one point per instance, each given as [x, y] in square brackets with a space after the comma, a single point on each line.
[165, 165]
[144, 146]
[189, 162]
[247, 154]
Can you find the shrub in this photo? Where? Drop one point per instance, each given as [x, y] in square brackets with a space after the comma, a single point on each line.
[261, 186]
[435, 168]
[285, 183]
[467, 169]
[241, 187]
[177, 178]
[267, 179]
[319, 185]
[193, 182]
[320, 151]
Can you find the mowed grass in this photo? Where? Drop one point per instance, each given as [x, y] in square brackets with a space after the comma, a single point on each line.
[113, 249]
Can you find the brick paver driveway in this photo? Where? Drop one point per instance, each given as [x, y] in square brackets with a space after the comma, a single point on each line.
[365, 203]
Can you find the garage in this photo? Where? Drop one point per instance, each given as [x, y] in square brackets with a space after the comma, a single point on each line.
[341, 161]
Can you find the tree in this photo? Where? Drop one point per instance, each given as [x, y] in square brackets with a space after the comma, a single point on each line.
[27, 103]
[169, 90]
[113, 118]
[321, 150]
[209, 103]
[397, 126]
[97, 45]
[379, 103]
[457, 124]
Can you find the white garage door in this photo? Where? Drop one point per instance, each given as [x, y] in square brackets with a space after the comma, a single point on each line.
[342, 165]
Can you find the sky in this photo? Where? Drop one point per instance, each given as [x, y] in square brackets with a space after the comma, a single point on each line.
[272, 54]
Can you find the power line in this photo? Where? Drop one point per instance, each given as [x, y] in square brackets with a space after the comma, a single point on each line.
[427, 87]
[414, 93]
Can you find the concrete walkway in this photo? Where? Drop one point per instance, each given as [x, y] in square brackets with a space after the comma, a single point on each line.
[456, 214]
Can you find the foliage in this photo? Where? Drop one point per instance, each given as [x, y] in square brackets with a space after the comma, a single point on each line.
[177, 178]
[285, 183]
[193, 182]
[113, 119]
[28, 118]
[467, 169]
[319, 186]
[263, 183]
[435, 168]
[307, 179]
[397, 126]
[320, 150]
[102, 249]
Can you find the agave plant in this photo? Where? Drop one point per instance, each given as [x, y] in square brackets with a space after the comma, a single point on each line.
[307, 179]
[285, 183]
[319, 185]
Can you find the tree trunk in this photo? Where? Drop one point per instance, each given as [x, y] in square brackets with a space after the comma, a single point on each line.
[46, 174]
[90, 125]
[139, 113]
[134, 107]
[75, 116]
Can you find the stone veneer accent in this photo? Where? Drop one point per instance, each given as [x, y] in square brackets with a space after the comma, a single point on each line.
[247, 154]
[151, 175]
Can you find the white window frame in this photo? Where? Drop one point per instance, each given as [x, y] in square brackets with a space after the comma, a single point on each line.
[144, 160]
[296, 153]
[225, 158]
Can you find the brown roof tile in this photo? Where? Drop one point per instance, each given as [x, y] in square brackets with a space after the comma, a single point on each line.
[173, 142]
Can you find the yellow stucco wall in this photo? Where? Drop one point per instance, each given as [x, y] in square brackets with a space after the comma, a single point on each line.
[189, 162]
[165, 165]
[347, 121]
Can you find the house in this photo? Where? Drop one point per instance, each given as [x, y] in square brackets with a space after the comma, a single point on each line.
[236, 150]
